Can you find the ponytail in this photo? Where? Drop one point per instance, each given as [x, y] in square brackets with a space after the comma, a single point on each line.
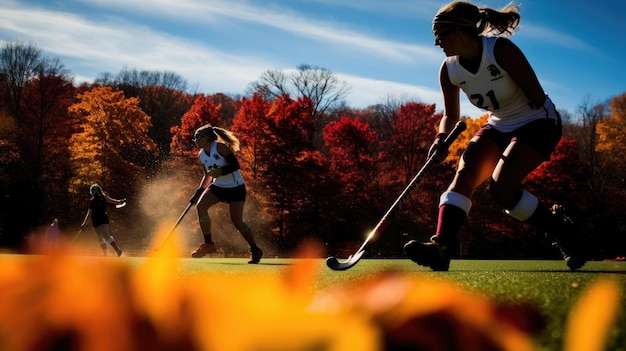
[499, 23]
[220, 134]
[227, 137]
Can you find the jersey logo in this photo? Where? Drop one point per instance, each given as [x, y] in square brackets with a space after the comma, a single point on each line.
[495, 72]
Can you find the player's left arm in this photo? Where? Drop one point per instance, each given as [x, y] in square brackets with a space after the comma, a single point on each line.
[113, 201]
[513, 60]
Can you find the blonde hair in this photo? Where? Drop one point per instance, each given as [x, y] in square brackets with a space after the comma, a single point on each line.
[220, 134]
[479, 20]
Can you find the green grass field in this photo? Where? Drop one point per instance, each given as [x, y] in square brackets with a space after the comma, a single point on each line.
[549, 285]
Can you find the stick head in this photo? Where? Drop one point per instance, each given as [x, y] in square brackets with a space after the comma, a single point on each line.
[333, 263]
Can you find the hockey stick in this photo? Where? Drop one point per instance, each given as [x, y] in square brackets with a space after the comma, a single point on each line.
[77, 235]
[175, 225]
[333, 263]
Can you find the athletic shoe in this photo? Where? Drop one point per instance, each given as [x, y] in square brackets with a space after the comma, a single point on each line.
[574, 262]
[255, 255]
[569, 240]
[203, 250]
[119, 252]
[431, 254]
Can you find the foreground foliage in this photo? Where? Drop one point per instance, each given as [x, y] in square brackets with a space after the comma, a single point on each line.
[66, 302]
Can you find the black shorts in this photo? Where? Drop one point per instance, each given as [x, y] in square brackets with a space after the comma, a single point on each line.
[542, 135]
[235, 194]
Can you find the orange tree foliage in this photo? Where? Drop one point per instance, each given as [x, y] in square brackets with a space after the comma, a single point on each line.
[456, 149]
[113, 141]
[612, 138]
[611, 149]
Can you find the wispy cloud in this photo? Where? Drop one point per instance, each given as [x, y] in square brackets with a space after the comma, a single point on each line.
[277, 17]
[103, 41]
[416, 9]
[112, 43]
[556, 38]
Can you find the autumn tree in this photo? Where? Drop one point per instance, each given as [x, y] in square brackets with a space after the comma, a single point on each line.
[612, 138]
[351, 144]
[591, 114]
[18, 65]
[250, 125]
[34, 92]
[286, 162]
[45, 102]
[611, 149]
[113, 142]
[203, 111]
[162, 95]
[320, 85]
[414, 129]
[45, 132]
[555, 179]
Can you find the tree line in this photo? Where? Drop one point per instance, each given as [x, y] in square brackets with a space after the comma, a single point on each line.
[316, 168]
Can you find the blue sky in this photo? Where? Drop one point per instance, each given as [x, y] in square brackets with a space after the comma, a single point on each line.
[382, 48]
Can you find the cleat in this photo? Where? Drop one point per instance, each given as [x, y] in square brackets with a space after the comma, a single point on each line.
[571, 245]
[255, 255]
[575, 263]
[203, 250]
[431, 254]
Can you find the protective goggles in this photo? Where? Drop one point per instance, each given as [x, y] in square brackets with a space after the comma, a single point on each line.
[440, 30]
[444, 23]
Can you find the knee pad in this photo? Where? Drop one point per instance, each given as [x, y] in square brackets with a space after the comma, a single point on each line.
[459, 200]
[525, 207]
[204, 219]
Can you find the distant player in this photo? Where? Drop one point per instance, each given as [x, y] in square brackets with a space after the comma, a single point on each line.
[100, 218]
[225, 184]
[523, 129]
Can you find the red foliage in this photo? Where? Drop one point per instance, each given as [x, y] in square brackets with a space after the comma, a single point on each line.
[44, 105]
[414, 129]
[350, 146]
[563, 178]
[203, 111]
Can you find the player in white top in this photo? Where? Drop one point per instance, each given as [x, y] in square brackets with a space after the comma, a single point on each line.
[225, 184]
[523, 129]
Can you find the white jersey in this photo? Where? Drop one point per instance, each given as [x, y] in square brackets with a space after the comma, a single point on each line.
[492, 89]
[215, 160]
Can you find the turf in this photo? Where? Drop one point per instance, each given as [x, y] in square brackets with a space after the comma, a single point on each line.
[549, 285]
